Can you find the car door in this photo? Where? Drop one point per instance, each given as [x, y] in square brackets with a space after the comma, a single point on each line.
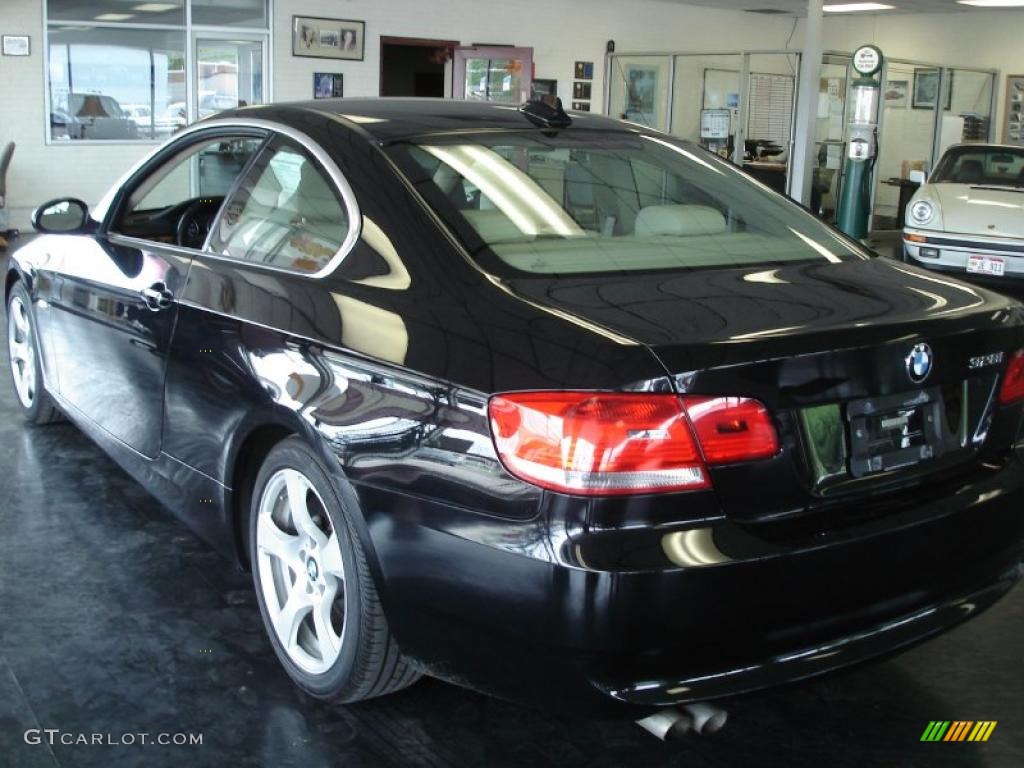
[115, 300]
[257, 288]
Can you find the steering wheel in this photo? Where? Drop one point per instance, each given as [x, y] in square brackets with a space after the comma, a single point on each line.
[196, 220]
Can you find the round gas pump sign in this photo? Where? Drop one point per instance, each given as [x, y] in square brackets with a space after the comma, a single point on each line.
[867, 59]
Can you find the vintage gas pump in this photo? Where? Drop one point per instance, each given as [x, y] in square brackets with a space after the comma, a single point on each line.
[855, 201]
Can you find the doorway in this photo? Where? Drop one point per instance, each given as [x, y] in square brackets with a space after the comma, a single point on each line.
[229, 73]
[415, 67]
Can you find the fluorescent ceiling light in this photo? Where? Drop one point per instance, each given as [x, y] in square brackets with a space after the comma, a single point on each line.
[156, 7]
[114, 16]
[855, 7]
[993, 3]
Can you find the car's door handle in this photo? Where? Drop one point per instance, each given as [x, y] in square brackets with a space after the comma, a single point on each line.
[157, 296]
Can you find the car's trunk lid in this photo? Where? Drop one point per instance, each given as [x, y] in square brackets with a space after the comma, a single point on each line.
[825, 347]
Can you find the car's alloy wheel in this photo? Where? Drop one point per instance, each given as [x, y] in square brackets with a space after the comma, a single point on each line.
[26, 368]
[301, 573]
[316, 594]
[21, 347]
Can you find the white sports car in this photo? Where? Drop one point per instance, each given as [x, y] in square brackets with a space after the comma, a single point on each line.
[969, 216]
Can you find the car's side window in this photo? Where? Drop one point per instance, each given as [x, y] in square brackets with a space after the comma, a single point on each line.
[286, 213]
[191, 184]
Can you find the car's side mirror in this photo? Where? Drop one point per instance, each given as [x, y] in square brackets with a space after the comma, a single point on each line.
[918, 177]
[67, 214]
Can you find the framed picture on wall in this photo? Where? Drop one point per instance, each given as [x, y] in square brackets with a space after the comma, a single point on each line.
[896, 93]
[328, 38]
[584, 70]
[581, 90]
[328, 85]
[926, 89]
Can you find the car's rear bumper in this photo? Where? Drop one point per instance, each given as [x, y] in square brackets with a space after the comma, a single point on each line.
[951, 252]
[891, 635]
[518, 615]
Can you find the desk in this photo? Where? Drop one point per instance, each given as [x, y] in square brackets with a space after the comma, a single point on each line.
[770, 174]
[907, 190]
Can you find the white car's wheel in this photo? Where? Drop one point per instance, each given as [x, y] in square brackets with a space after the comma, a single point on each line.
[316, 595]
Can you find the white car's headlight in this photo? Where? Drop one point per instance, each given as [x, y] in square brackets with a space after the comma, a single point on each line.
[922, 212]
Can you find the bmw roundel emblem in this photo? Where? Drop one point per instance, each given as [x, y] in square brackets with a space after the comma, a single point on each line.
[919, 363]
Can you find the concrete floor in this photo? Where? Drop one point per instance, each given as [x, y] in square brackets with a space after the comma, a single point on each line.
[115, 619]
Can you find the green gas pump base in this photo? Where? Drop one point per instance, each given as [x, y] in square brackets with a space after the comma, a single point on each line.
[855, 200]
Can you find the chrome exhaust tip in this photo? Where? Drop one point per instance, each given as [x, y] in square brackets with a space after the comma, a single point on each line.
[671, 724]
[707, 718]
[668, 724]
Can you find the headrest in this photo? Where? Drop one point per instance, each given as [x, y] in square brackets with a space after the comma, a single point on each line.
[971, 170]
[679, 220]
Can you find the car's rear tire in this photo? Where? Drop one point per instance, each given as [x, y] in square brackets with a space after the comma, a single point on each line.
[315, 591]
[23, 353]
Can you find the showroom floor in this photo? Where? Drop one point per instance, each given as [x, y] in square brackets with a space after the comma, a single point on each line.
[115, 619]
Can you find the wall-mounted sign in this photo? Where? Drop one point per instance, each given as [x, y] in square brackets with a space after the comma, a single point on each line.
[16, 45]
[867, 59]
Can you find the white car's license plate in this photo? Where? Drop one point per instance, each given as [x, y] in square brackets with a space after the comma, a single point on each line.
[986, 265]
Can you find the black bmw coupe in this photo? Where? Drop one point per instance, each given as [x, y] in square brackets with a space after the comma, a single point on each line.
[549, 405]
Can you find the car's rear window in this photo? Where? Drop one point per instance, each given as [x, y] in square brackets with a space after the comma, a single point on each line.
[592, 202]
[994, 166]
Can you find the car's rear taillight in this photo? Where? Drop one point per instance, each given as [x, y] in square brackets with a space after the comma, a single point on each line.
[619, 443]
[1012, 390]
[732, 429]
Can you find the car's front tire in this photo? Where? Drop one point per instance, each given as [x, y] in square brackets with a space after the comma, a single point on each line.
[316, 595]
[23, 353]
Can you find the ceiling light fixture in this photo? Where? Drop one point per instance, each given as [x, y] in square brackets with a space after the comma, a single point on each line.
[156, 7]
[114, 16]
[856, 7]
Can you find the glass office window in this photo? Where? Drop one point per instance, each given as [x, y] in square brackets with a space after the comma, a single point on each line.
[115, 84]
[171, 12]
[238, 13]
[117, 68]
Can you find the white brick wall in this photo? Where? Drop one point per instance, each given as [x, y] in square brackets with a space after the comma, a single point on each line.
[560, 32]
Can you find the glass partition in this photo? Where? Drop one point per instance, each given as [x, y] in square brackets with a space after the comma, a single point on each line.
[705, 82]
[909, 98]
[639, 88]
[970, 112]
[830, 135]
